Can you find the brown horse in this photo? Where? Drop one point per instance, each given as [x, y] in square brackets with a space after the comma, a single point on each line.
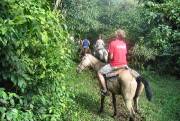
[84, 51]
[128, 83]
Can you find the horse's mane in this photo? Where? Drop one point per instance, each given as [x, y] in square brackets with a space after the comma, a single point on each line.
[96, 59]
[97, 64]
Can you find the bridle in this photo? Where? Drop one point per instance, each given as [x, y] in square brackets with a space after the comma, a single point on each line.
[81, 65]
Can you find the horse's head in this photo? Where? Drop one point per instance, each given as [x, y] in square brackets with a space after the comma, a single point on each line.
[85, 62]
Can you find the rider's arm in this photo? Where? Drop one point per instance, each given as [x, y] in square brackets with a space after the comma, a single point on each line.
[103, 43]
[110, 56]
[110, 52]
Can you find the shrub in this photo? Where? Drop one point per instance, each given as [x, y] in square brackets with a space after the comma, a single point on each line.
[36, 52]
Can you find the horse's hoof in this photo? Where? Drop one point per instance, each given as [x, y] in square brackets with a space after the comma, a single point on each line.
[138, 111]
[131, 119]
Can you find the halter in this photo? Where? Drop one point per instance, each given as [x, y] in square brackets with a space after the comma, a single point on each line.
[81, 65]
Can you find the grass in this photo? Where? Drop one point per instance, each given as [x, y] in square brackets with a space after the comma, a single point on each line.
[86, 92]
[166, 103]
[164, 107]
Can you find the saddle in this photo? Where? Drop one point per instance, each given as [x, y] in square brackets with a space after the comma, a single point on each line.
[114, 74]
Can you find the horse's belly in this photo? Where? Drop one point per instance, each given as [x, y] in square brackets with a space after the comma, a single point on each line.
[114, 86]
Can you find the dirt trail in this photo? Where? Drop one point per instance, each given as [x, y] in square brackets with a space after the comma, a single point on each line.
[122, 112]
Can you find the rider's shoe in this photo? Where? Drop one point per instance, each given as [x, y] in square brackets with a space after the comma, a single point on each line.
[104, 92]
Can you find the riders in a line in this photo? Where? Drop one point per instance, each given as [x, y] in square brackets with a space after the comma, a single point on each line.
[116, 57]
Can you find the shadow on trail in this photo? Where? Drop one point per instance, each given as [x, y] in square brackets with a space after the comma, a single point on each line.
[122, 112]
[87, 102]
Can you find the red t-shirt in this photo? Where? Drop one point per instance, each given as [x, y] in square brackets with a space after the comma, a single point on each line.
[119, 51]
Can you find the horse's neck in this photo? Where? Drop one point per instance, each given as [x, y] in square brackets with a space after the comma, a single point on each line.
[97, 64]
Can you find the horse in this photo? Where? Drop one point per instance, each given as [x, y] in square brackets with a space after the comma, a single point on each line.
[84, 51]
[128, 83]
[101, 53]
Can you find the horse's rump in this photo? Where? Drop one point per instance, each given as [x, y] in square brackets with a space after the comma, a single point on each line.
[121, 79]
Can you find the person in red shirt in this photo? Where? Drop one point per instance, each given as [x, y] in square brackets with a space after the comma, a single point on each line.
[117, 51]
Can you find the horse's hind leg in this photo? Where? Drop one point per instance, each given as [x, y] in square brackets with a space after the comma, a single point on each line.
[139, 90]
[114, 104]
[129, 105]
[136, 107]
[102, 104]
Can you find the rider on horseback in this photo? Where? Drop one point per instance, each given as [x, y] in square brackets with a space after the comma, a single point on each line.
[100, 51]
[117, 58]
[85, 46]
[99, 43]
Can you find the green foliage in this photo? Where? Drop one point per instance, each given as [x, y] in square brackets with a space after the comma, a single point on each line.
[14, 108]
[35, 54]
[163, 33]
[142, 54]
[33, 41]
[81, 15]
[164, 105]
[97, 16]
[153, 27]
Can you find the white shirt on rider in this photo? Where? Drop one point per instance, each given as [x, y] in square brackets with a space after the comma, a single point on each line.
[99, 44]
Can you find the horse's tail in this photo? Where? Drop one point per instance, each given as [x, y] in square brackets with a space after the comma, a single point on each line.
[148, 89]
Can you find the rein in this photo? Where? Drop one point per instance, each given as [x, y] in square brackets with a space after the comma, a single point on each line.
[82, 66]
